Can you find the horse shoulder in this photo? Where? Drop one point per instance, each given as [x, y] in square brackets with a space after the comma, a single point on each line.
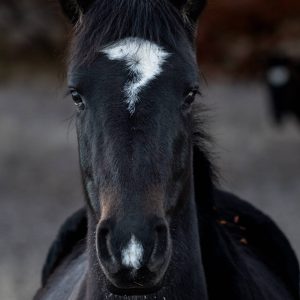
[258, 241]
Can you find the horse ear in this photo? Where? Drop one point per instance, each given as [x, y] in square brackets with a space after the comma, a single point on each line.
[191, 9]
[72, 9]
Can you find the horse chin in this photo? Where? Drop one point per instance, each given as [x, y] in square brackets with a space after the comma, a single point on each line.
[134, 290]
[124, 285]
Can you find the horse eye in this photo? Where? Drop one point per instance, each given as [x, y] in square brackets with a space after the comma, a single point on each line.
[190, 96]
[78, 101]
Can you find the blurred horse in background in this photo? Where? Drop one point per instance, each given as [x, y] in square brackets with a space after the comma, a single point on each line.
[283, 80]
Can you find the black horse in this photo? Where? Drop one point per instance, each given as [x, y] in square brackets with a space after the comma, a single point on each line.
[154, 225]
[283, 81]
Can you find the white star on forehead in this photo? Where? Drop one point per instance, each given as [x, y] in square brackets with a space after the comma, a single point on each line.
[144, 60]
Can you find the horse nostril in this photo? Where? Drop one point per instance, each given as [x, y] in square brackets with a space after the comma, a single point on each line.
[161, 246]
[103, 242]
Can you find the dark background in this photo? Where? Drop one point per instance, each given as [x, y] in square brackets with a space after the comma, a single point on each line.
[39, 176]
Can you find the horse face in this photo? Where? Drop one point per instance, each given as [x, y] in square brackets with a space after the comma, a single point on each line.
[135, 144]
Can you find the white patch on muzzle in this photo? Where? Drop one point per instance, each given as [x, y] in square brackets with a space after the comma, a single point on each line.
[132, 255]
[143, 59]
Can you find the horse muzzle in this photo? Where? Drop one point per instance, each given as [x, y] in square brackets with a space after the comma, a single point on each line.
[134, 254]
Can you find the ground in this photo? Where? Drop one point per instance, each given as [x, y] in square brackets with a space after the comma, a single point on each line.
[39, 174]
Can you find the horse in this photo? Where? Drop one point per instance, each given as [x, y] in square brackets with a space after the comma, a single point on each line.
[283, 78]
[155, 224]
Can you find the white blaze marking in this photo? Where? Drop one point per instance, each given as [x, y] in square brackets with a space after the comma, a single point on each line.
[132, 255]
[143, 60]
[278, 75]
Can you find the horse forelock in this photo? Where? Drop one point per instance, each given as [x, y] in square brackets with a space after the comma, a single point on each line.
[108, 21]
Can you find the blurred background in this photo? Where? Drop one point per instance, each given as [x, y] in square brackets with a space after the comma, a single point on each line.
[249, 53]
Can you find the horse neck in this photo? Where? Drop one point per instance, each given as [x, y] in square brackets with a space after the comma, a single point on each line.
[184, 278]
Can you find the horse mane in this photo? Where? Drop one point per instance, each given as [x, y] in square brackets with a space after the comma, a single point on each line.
[205, 172]
[110, 20]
